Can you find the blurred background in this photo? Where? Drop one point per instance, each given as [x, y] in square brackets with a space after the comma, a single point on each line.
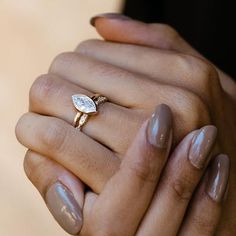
[33, 32]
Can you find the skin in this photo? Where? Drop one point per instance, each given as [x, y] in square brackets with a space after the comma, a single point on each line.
[191, 86]
[222, 111]
[143, 180]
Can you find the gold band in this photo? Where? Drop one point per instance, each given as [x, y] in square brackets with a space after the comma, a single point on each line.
[85, 107]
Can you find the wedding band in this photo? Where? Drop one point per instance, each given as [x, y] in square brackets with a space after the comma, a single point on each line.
[86, 107]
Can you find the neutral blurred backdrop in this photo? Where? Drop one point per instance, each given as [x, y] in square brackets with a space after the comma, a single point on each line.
[32, 33]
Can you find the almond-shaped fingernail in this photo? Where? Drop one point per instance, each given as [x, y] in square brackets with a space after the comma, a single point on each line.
[116, 16]
[202, 145]
[64, 208]
[159, 129]
[218, 178]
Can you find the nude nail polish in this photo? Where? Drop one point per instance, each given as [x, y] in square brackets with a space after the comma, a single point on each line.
[218, 178]
[202, 145]
[64, 208]
[159, 129]
[116, 16]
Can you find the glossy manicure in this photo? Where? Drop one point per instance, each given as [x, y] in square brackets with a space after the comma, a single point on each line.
[116, 16]
[202, 145]
[160, 127]
[218, 178]
[64, 208]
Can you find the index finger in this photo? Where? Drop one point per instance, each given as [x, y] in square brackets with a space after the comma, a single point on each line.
[132, 187]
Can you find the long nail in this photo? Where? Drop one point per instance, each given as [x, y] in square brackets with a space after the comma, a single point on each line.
[218, 178]
[160, 127]
[202, 145]
[115, 16]
[64, 208]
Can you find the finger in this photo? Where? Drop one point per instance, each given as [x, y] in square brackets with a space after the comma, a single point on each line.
[133, 185]
[179, 180]
[91, 162]
[61, 190]
[163, 66]
[205, 210]
[50, 95]
[119, 86]
[112, 27]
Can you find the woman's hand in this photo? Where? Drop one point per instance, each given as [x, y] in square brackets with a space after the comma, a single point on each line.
[148, 195]
[133, 95]
[117, 28]
[168, 59]
[47, 128]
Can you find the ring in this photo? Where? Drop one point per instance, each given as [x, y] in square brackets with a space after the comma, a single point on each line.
[86, 106]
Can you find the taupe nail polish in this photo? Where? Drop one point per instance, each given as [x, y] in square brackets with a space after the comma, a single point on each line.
[160, 127]
[202, 144]
[117, 16]
[64, 208]
[218, 178]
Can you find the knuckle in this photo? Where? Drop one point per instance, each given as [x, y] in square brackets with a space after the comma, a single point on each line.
[190, 110]
[63, 60]
[143, 171]
[182, 189]
[204, 76]
[86, 45]
[55, 136]
[205, 73]
[168, 30]
[42, 88]
[200, 76]
[183, 63]
[29, 166]
[20, 127]
[34, 165]
[197, 110]
[167, 34]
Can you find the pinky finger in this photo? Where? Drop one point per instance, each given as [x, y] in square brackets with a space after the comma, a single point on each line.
[62, 191]
[205, 210]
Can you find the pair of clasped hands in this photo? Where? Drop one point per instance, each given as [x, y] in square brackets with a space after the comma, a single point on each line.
[156, 158]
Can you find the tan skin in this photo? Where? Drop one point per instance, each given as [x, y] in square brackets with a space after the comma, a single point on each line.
[143, 180]
[196, 93]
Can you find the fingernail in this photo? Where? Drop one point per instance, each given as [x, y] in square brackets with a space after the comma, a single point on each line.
[218, 178]
[116, 16]
[160, 127]
[203, 143]
[64, 208]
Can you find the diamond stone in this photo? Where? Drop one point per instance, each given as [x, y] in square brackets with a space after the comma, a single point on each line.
[84, 104]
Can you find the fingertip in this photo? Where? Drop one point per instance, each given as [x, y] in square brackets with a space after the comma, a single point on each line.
[218, 178]
[119, 28]
[108, 16]
[160, 127]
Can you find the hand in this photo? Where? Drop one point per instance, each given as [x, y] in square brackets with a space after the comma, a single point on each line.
[148, 195]
[130, 105]
[185, 68]
[119, 28]
[116, 28]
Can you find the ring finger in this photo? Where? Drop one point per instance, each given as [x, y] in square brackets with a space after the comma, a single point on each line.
[50, 95]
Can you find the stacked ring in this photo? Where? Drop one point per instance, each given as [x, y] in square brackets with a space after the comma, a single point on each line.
[86, 107]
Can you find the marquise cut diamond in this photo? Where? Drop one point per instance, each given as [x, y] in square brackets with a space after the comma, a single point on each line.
[84, 104]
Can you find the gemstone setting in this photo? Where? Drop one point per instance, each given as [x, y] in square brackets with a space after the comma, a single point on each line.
[84, 104]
